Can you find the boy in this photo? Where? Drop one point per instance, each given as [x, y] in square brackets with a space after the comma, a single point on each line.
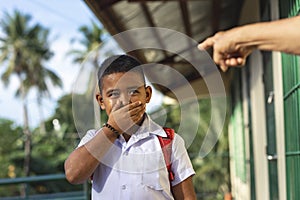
[124, 157]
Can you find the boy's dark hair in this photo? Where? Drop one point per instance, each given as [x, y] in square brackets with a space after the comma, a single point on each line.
[119, 63]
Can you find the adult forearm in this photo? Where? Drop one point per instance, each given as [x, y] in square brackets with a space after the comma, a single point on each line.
[281, 35]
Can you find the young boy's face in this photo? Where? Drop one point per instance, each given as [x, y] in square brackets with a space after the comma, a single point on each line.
[123, 88]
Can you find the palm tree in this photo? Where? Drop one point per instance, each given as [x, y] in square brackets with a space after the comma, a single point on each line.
[91, 43]
[42, 76]
[23, 48]
[91, 40]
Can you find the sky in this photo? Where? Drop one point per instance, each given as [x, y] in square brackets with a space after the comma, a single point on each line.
[63, 18]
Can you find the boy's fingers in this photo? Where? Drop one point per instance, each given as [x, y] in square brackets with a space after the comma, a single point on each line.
[129, 109]
[116, 106]
[137, 110]
[134, 105]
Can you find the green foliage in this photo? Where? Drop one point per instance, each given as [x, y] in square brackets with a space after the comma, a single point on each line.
[10, 146]
[63, 113]
[49, 152]
[11, 152]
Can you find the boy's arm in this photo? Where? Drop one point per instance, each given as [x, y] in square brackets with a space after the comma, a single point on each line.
[83, 161]
[182, 168]
[184, 190]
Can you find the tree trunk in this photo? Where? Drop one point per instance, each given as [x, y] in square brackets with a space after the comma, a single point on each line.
[27, 145]
[27, 134]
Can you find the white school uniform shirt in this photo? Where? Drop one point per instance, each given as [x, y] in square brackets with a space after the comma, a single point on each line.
[136, 169]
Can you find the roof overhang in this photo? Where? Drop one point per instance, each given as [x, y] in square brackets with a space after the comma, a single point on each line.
[144, 21]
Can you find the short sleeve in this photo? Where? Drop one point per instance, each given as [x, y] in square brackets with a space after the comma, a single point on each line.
[88, 136]
[181, 164]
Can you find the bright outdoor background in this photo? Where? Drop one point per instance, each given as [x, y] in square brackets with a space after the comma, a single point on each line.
[62, 19]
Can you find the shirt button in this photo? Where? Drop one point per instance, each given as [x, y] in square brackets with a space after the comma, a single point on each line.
[126, 153]
[123, 187]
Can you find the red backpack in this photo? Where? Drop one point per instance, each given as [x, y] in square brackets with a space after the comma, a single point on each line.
[166, 146]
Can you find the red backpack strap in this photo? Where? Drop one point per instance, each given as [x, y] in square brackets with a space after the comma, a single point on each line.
[166, 146]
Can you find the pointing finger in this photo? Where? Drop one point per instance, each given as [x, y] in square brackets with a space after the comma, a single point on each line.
[209, 42]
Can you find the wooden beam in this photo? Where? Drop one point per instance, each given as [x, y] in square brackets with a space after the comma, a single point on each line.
[216, 12]
[102, 5]
[147, 14]
[151, 23]
[185, 17]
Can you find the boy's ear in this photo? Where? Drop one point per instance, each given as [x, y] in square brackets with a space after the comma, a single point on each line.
[148, 93]
[99, 99]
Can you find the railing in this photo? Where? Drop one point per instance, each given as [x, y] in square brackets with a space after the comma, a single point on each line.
[73, 195]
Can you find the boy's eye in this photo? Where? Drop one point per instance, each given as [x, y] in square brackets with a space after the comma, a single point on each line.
[113, 94]
[133, 92]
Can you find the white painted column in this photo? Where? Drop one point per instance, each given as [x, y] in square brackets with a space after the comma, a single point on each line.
[279, 110]
[258, 118]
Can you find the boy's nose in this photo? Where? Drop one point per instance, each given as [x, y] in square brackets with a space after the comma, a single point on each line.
[125, 99]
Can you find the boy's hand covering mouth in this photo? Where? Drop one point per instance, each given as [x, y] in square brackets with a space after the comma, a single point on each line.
[122, 118]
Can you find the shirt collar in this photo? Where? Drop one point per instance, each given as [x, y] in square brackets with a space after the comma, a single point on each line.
[150, 127]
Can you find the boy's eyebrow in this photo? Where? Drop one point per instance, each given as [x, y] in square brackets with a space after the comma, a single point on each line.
[135, 87]
[111, 90]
